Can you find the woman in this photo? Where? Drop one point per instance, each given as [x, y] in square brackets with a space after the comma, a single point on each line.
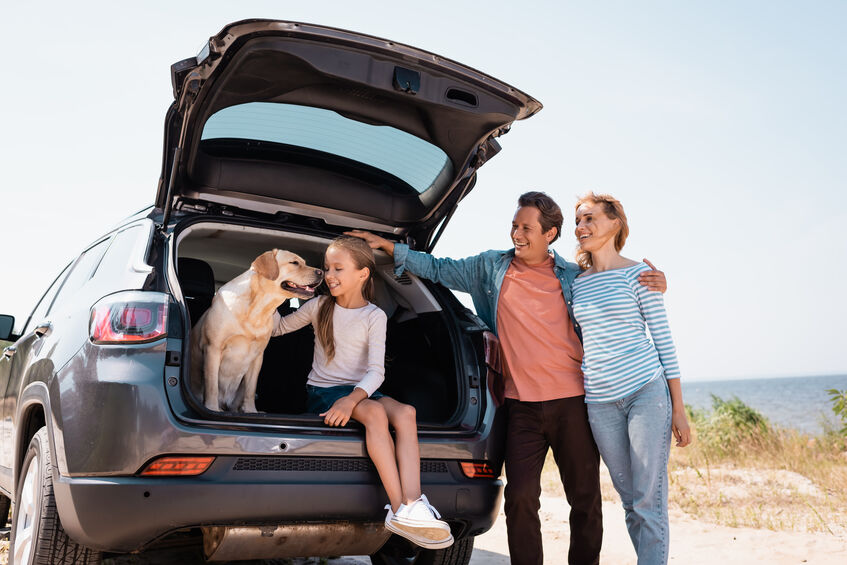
[631, 382]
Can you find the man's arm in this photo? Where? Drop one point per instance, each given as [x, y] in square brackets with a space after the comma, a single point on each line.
[465, 275]
[653, 280]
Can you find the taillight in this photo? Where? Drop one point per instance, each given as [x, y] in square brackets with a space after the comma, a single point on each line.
[173, 466]
[132, 316]
[474, 470]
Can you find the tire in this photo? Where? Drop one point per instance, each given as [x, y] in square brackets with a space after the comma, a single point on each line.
[457, 554]
[5, 505]
[37, 534]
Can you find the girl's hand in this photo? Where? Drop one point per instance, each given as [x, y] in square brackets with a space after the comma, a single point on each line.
[654, 280]
[340, 411]
[680, 429]
[374, 241]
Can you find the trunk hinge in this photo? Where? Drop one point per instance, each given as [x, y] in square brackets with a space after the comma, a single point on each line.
[189, 93]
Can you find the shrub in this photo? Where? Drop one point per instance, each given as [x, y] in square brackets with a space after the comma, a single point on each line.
[839, 406]
[732, 426]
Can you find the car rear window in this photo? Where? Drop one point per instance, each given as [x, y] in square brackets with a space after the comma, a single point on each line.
[411, 159]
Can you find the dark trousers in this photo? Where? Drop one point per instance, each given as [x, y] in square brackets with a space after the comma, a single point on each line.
[532, 428]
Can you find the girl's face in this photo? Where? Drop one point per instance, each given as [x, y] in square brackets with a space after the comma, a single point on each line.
[341, 274]
[593, 227]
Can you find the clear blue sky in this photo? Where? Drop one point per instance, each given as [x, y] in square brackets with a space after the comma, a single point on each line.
[719, 125]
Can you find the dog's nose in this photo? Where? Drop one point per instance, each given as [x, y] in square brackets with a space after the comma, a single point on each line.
[319, 273]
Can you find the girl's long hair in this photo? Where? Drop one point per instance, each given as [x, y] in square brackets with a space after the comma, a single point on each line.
[363, 256]
[613, 209]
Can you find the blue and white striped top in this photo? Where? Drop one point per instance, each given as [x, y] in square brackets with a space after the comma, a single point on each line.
[615, 312]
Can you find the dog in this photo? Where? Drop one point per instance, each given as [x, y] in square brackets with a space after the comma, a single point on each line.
[229, 339]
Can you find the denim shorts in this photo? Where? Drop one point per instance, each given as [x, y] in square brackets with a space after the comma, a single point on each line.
[321, 398]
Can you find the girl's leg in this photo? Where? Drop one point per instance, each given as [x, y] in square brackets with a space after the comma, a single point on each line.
[403, 419]
[649, 425]
[380, 447]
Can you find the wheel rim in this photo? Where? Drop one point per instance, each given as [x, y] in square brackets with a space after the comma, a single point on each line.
[25, 524]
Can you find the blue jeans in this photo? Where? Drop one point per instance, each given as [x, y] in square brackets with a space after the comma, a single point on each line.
[633, 436]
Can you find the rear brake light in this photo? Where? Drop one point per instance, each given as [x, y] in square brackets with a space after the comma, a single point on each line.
[177, 466]
[474, 470]
[129, 317]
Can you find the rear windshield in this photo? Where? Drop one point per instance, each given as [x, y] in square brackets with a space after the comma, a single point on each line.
[409, 158]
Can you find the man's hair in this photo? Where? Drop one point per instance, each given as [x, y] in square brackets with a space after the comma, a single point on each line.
[550, 215]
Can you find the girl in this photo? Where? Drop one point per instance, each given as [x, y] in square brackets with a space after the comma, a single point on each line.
[631, 383]
[347, 369]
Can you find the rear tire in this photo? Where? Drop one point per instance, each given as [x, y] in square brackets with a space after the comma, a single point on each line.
[457, 554]
[37, 534]
[5, 505]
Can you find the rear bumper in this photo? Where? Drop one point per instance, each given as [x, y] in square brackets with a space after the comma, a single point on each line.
[123, 514]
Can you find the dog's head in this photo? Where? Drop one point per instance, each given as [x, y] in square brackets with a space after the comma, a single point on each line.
[288, 272]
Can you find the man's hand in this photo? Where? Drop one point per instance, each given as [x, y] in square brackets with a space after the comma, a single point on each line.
[374, 241]
[340, 411]
[653, 280]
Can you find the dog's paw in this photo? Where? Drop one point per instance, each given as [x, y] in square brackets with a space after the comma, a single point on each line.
[212, 406]
[249, 409]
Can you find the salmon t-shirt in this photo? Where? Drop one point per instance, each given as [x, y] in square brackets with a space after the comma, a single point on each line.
[541, 351]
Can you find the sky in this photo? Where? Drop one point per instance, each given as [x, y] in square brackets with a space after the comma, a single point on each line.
[719, 125]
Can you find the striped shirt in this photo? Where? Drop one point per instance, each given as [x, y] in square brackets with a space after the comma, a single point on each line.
[615, 312]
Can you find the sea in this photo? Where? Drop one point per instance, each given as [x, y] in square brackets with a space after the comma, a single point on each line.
[799, 403]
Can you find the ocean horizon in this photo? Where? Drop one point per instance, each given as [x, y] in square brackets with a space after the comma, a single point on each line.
[799, 403]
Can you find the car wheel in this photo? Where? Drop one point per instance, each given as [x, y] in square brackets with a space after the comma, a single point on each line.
[37, 534]
[457, 554]
[5, 505]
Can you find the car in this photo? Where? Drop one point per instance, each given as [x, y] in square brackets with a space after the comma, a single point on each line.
[281, 135]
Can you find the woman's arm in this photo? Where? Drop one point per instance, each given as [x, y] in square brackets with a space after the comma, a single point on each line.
[679, 420]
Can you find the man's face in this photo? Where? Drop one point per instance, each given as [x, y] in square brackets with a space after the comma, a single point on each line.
[528, 237]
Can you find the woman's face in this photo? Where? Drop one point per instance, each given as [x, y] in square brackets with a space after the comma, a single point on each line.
[341, 274]
[593, 227]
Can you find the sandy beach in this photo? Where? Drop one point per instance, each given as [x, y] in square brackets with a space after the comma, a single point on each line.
[692, 543]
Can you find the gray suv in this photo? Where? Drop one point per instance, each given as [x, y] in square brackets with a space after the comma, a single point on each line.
[281, 135]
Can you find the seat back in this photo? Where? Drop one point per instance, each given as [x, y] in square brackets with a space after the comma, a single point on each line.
[197, 281]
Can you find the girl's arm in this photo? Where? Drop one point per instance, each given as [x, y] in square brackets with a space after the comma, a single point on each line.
[300, 318]
[342, 409]
[377, 322]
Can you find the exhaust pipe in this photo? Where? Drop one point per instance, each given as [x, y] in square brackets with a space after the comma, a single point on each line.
[232, 543]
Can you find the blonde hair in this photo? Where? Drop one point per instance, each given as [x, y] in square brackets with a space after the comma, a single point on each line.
[363, 256]
[613, 209]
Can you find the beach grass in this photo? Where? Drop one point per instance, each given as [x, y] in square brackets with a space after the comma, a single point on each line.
[741, 470]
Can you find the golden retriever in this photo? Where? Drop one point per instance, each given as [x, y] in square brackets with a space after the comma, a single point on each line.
[229, 339]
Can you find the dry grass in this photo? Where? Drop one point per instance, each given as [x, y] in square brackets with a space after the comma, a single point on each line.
[741, 471]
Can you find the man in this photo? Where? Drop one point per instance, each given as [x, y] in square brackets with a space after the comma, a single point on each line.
[524, 296]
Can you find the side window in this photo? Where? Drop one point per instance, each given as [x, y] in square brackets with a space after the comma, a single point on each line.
[121, 253]
[82, 270]
[44, 304]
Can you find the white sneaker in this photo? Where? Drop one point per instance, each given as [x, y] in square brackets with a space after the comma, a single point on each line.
[418, 536]
[421, 519]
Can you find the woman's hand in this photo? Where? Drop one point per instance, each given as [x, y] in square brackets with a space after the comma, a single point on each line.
[340, 411]
[374, 241]
[654, 280]
[680, 429]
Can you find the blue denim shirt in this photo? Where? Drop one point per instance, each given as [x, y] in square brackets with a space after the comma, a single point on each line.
[481, 276]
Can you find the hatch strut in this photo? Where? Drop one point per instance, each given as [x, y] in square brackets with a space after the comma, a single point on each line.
[192, 87]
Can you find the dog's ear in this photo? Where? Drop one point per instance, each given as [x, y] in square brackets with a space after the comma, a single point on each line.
[265, 265]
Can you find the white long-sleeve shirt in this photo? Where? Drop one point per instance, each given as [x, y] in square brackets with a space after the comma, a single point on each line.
[359, 335]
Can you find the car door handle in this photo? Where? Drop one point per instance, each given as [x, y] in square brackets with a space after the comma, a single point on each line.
[9, 351]
[43, 329]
